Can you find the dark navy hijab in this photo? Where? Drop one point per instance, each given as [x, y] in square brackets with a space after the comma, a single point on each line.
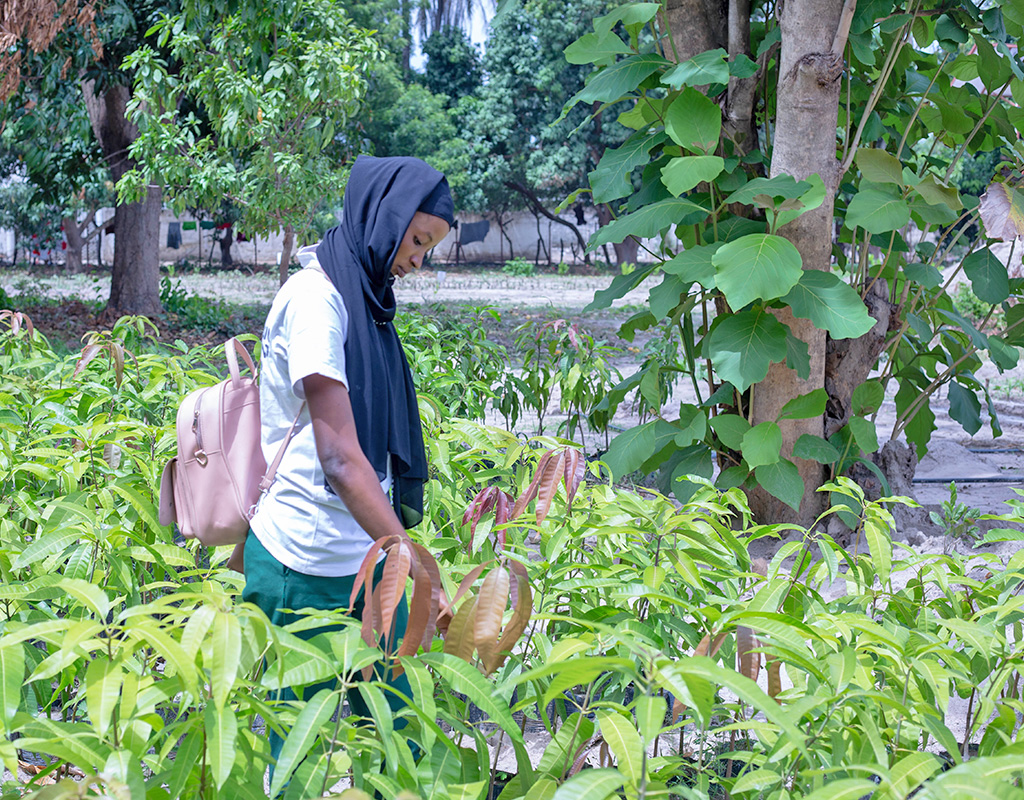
[381, 197]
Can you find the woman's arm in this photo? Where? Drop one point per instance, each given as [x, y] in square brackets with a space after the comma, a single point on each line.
[346, 467]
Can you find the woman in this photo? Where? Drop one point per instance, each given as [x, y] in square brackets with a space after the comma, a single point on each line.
[354, 469]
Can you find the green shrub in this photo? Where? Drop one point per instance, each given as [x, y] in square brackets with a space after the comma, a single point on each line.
[519, 268]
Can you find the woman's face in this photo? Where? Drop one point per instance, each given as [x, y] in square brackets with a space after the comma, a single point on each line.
[425, 231]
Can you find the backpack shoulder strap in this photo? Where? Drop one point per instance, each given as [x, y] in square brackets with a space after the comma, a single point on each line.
[271, 473]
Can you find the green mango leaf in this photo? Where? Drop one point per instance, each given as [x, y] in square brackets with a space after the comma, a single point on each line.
[762, 445]
[694, 122]
[703, 69]
[864, 433]
[880, 545]
[877, 211]
[744, 344]
[301, 737]
[221, 735]
[990, 281]
[682, 174]
[730, 429]
[878, 166]
[759, 266]
[590, 784]
[592, 48]
[756, 780]
[103, 681]
[12, 679]
[650, 716]
[467, 679]
[782, 480]
[631, 449]
[844, 789]
[649, 221]
[965, 407]
[624, 742]
[226, 647]
[814, 448]
[829, 303]
[616, 81]
[806, 406]
[694, 264]
[611, 179]
[867, 398]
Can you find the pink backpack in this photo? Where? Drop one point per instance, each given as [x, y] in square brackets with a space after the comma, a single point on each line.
[210, 489]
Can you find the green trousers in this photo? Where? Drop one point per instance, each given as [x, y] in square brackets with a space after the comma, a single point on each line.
[273, 587]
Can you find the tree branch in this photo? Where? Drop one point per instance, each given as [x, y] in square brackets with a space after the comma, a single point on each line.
[539, 208]
[843, 31]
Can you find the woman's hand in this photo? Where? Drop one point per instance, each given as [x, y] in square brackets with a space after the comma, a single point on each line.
[346, 467]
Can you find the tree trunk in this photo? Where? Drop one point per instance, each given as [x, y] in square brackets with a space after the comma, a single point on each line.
[226, 241]
[75, 244]
[810, 69]
[695, 26]
[286, 253]
[135, 280]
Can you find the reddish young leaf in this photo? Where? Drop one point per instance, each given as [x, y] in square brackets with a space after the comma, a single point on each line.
[584, 751]
[490, 611]
[89, 352]
[774, 677]
[444, 617]
[433, 574]
[392, 588]
[748, 662]
[531, 490]
[552, 475]
[368, 565]
[575, 469]
[522, 609]
[459, 641]
[478, 506]
[707, 648]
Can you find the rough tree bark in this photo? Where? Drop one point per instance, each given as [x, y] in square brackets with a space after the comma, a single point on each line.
[75, 245]
[696, 26]
[287, 247]
[625, 251]
[225, 242]
[814, 36]
[135, 281]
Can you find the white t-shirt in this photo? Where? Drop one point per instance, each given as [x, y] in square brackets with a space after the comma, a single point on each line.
[300, 520]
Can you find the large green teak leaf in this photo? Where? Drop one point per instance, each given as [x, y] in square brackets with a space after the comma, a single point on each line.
[694, 122]
[618, 80]
[877, 211]
[610, 180]
[650, 221]
[989, 278]
[743, 345]
[682, 174]
[758, 266]
[830, 304]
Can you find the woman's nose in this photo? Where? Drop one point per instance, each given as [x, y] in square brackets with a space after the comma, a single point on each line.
[417, 261]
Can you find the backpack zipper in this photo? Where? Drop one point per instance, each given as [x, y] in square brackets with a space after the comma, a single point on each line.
[200, 454]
